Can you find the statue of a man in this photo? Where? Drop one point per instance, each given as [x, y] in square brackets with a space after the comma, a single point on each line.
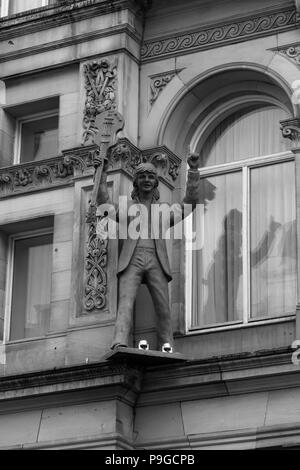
[145, 258]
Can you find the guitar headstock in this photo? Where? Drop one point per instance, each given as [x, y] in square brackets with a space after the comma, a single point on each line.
[109, 123]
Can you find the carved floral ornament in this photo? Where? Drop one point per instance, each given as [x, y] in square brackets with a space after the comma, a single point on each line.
[100, 79]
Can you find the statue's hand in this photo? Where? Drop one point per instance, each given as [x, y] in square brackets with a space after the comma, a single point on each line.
[194, 161]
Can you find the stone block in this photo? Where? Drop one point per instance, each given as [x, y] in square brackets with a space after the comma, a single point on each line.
[78, 420]
[283, 407]
[153, 422]
[224, 413]
[60, 285]
[59, 315]
[63, 227]
[19, 428]
[62, 256]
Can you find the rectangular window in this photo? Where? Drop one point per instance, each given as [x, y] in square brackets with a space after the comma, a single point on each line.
[29, 284]
[245, 267]
[36, 137]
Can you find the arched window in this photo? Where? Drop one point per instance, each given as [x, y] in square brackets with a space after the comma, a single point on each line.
[244, 268]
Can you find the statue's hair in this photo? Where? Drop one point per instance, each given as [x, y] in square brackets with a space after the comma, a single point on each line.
[143, 168]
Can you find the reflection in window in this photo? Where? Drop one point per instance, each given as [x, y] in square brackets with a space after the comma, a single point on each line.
[31, 286]
[217, 296]
[245, 268]
[273, 240]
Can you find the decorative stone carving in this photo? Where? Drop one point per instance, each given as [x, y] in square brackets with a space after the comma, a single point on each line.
[291, 129]
[34, 176]
[225, 33]
[292, 52]
[100, 85]
[127, 157]
[158, 83]
[95, 269]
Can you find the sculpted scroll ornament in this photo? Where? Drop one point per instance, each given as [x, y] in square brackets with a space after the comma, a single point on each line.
[291, 129]
[100, 84]
[292, 52]
[158, 83]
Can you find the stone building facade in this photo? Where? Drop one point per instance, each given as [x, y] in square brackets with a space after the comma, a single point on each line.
[219, 77]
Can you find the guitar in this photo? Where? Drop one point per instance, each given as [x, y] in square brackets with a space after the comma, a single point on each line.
[109, 124]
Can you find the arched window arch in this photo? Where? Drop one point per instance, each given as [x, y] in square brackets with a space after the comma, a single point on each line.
[244, 268]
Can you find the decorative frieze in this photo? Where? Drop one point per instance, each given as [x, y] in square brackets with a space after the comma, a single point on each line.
[100, 85]
[158, 83]
[44, 174]
[124, 155]
[291, 129]
[225, 33]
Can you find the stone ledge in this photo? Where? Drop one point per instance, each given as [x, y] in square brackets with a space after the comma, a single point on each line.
[163, 384]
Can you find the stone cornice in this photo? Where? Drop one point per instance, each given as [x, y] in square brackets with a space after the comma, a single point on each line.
[48, 173]
[78, 162]
[194, 379]
[73, 40]
[56, 15]
[216, 35]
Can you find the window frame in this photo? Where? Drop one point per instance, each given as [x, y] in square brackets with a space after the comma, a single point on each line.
[4, 11]
[244, 166]
[18, 132]
[9, 278]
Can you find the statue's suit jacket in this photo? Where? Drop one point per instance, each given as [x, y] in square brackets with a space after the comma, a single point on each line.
[128, 245]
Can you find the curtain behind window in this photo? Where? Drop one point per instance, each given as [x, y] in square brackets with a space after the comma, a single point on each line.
[246, 133]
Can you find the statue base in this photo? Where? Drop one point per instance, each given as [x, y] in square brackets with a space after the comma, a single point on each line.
[146, 358]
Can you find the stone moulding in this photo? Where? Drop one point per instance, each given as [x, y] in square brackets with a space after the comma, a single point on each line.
[78, 161]
[217, 35]
[125, 156]
[48, 173]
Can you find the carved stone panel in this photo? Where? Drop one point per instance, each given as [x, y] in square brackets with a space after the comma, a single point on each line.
[100, 79]
[95, 282]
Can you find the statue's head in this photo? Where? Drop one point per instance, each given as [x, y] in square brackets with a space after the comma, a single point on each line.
[141, 171]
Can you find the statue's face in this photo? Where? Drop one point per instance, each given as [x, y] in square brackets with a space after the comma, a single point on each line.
[146, 182]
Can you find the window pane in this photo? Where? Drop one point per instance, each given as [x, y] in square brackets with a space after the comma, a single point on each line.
[217, 266]
[16, 6]
[273, 240]
[31, 288]
[246, 133]
[39, 139]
